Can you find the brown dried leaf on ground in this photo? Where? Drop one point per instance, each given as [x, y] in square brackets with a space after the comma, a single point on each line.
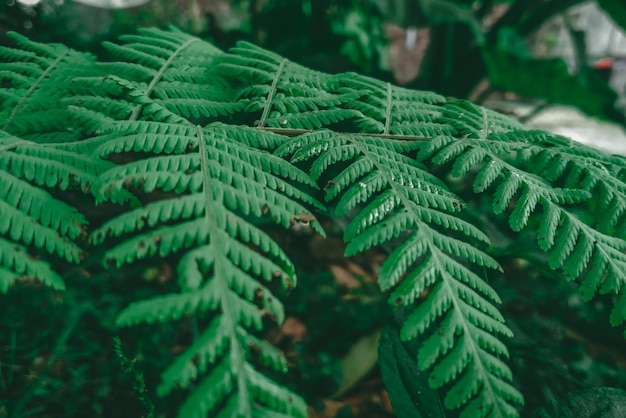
[291, 331]
[344, 277]
[328, 410]
[406, 51]
[368, 400]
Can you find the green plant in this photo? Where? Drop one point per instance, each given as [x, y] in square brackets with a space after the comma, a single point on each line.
[197, 152]
[489, 40]
[469, 45]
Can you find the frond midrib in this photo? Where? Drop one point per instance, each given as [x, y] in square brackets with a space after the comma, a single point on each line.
[236, 352]
[269, 102]
[457, 306]
[159, 74]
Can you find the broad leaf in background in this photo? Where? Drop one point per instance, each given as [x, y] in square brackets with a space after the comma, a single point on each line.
[550, 79]
[590, 403]
[616, 10]
[407, 387]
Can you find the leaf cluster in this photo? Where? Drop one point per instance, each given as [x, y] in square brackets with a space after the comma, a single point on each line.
[199, 149]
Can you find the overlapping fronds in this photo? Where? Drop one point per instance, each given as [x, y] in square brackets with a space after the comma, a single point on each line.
[39, 157]
[285, 95]
[391, 110]
[389, 196]
[36, 228]
[160, 75]
[35, 78]
[212, 189]
[282, 94]
[197, 185]
[521, 168]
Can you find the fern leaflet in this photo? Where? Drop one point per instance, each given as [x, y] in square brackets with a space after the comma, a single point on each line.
[37, 228]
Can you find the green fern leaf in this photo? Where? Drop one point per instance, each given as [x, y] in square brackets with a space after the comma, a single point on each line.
[31, 219]
[36, 79]
[220, 185]
[457, 321]
[42, 229]
[262, 140]
[17, 263]
[298, 98]
[22, 204]
[584, 168]
[163, 76]
[391, 110]
[525, 165]
[49, 165]
[200, 187]
[302, 99]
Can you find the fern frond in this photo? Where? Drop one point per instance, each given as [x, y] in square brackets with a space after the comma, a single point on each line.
[33, 223]
[162, 75]
[521, 174]
[452, 308]
[287, 95]
[200, 188]
[315, 119]
[42, 229]
[576, 166]
[393, 110]
[262, 140]
[17, 263]
[47, 165]
[221, 186]
[473, 121]
[35, 80]
[297, 97]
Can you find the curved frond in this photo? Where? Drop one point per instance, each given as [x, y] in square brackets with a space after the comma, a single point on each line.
[391, 110]
[161, 75]
[393, 201]
[522, 168]
[285, 95]
[35, 227]
[297, 97]
[36, 78]
[220, 187]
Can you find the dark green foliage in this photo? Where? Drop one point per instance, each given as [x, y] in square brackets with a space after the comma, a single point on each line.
[34, 222]
[522, 170]
[550, 79]
[408, 388]
[217, 185]
[36, 78]
[597, 402]
[198, 151]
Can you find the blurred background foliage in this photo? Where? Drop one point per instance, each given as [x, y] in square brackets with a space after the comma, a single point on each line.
[56, 351]
[460, 48]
